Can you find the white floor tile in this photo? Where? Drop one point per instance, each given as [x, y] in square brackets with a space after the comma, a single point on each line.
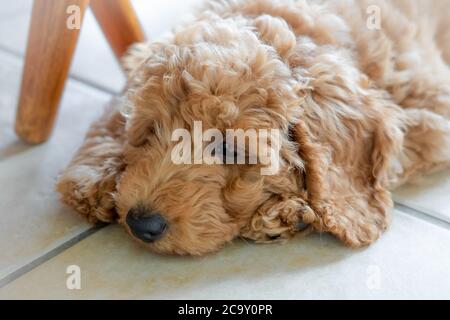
[431, 196]
[94, 61]
[411, 260]
[33, 219]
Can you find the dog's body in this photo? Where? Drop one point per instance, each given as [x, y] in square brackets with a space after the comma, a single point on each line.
[361, 110]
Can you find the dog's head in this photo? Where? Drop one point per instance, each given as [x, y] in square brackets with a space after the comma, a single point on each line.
[324, 137]
[190, 184]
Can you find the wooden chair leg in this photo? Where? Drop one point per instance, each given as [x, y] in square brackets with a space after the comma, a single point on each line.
[50, 48]
[119, 23]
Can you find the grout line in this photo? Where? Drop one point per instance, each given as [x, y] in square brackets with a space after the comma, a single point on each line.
[11, 52]
[49, 255]
[72, 77]
[422, 215]
[93, 85]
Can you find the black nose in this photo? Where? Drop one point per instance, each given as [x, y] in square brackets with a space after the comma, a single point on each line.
[146, 226]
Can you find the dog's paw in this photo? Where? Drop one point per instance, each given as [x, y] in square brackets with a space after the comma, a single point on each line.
[280, 218]
[89, 192]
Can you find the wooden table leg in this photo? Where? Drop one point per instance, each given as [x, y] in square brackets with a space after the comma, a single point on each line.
[50, 48]
[119, 23]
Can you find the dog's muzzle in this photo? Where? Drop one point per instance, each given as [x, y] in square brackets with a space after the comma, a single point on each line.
[146, 226]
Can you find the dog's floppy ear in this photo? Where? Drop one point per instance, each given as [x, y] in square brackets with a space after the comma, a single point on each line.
[348, 197]
[89, 182]
[347, 173]
[348, 177]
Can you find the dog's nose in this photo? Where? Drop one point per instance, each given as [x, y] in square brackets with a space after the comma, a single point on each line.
[147, 227]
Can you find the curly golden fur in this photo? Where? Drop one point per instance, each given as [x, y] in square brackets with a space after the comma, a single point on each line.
[367, 110]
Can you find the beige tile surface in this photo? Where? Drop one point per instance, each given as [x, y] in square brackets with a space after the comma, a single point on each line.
[411, 260]
[431, 196]
[159, 19]
[94, 61]
[32, 219]
[14, 22]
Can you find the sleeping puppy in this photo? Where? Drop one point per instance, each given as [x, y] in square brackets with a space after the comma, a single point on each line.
[357, 92]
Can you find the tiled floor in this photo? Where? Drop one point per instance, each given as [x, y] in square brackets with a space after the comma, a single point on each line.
[40, 238]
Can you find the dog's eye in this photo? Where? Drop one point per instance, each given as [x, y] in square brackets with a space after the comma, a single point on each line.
[230, 154]
[226, 153]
